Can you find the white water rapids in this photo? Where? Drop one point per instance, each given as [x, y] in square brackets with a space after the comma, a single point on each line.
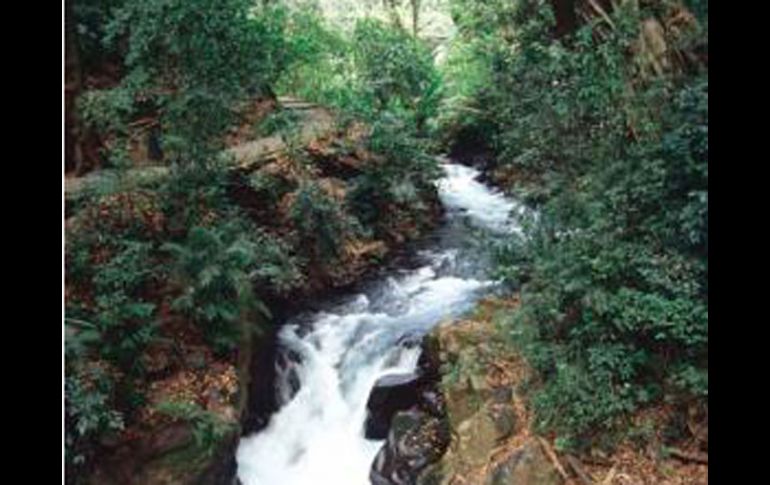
[317, 437]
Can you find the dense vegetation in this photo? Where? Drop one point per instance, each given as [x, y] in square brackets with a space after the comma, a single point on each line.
[601, 125]
[157, 269]
[594, 112]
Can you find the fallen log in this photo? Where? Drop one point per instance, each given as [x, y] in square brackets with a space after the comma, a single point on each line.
[574, 463]
[690, 457]
[554, 459]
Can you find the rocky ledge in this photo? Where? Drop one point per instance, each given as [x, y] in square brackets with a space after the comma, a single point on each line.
[468, 423]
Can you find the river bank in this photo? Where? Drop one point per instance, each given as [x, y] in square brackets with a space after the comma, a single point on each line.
[193, 400]
[343, 350]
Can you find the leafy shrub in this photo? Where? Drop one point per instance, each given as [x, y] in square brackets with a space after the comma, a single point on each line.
[378, 68]
[191, 62]
[319, 60]
[279, 122]
[124, 312]
[403, 173]
[90, 414]
[105, 110]
[219, 267]
[132, 214]
[614, 270]
[397, 69]
[320, 220]
[123, 253]
[113, 275]
[88, 19]
[467, 73]
[269, 188]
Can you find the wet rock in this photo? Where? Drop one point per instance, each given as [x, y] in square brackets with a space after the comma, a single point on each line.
[391, 394]
[287, 377]
[418, 437]
[415, 440]
[429, 361]
[479, 402]
[262, 399]
[222, 467]
[410, 340]
[167, 456]
[432, 401]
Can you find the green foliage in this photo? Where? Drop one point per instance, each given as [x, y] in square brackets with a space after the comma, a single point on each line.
[396, 69]
[622, 298]
[123, 312]
[209, 429]
[199, 44]
[386, 77]
[614, 269]
[270, 188]
[129, 254]
[378, 68]
[322, 67]
[699, 8]
[402, 174]
[280, 122]
[178, 250]
[317, 56]
[473, 17]
[90, 414]
[114, 269]
[88, 19]
[320, 220]
[194, 194]
[105, 109]
[120, 309]
[186, 62]
[466, 73]
[219, 266]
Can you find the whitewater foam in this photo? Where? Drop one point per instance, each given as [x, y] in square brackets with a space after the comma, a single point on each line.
[317, 437]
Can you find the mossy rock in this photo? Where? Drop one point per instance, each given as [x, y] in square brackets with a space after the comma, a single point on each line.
[476, 437]
[526, 465]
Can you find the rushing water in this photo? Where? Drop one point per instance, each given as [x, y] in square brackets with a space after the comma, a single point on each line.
[317, 436]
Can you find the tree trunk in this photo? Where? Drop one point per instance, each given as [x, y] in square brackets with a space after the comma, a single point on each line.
[566, 17]
[73, 84]
[415, 15]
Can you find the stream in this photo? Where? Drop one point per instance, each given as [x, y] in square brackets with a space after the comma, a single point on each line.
[317, 435]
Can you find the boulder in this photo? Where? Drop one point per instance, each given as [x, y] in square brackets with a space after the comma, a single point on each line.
[525, 465]
[392, 393]
[416, 439]
[474, 440]
[417, 434]
[287, 381]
